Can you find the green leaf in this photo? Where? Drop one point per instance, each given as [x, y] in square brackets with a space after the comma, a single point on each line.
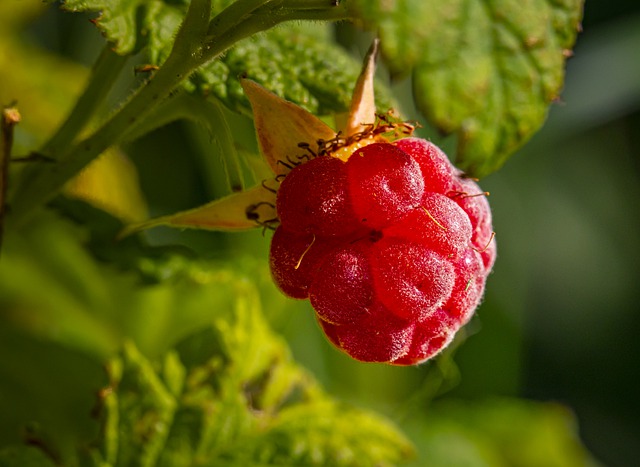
[111, 183]
[297, 62]
[237, 398]
[133, 24]
[487, 70]
[200, 378]
[326, 433]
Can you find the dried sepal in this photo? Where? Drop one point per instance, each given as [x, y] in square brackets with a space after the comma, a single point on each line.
[239, 211]
[362, 112]
[281, 126]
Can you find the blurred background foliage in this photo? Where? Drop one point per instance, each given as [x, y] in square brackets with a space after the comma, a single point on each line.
[558, 325]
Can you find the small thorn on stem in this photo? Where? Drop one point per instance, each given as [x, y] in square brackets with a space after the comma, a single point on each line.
[145, 68]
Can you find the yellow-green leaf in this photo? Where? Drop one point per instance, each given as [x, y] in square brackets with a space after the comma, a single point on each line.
[110, 183]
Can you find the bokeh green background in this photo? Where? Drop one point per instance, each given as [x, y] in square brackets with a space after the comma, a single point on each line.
[561, 318]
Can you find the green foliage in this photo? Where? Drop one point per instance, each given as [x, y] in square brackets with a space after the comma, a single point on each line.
[211, 404]
[26, 456]
[211, 383]
[134, 25]
[502, 432]
[114, 353]
[486, 70]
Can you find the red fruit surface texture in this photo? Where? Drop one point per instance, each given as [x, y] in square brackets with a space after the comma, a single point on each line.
[392, 247]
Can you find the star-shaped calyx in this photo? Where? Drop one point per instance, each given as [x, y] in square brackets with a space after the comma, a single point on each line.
[289, 135]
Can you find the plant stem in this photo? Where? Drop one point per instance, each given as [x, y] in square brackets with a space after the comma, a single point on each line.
[239, 9]
[10, 118]
[310, 4]
[103, 75]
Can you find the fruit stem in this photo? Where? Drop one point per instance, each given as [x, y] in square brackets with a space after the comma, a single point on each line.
[230, 16]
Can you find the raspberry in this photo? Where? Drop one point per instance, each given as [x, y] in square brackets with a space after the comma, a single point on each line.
[471, 199]
[392, 247]
[429, 338]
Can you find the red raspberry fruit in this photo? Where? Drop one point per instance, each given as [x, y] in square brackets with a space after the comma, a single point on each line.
[392, 247]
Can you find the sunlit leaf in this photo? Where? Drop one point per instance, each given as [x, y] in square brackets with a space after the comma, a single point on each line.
[111, 183]
[146, 409]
